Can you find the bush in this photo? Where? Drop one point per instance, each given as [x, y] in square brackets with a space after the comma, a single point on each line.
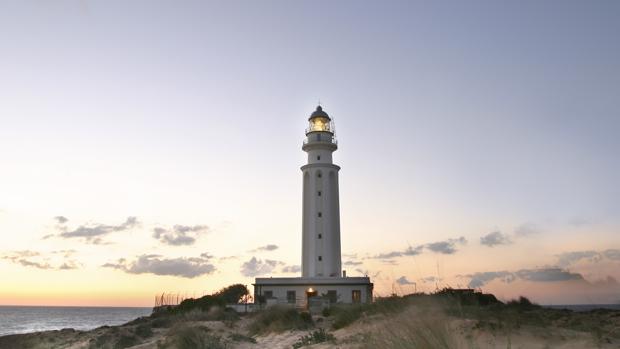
[203, 303]
[143, 330]
[318, 336]
[232, 294]
[344, 315]
[114, 340]
[522, 303]
[192, 337]
[237, 337]
[278, 319]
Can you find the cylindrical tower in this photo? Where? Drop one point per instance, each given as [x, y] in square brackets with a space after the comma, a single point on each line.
[321, 209]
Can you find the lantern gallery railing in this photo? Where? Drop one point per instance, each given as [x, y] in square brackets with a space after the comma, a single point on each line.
[331, 140]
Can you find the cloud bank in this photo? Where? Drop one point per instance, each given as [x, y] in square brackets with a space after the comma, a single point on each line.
[179, 235]
[155, 264]
[495, 238]
[256, 267]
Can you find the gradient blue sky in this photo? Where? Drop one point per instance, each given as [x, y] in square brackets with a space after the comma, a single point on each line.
[455, 119]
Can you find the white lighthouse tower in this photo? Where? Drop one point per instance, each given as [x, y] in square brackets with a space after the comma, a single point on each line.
[321, 208]
[322, 280]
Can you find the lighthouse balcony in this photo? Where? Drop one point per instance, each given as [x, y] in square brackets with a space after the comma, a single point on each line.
[310, 143]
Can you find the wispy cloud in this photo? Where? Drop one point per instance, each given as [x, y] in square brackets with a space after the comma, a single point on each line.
[179, 235]
[527, 229]
[47, 261]
[256, 267]
[270, 247]
[403, 281]
[431, 279]
[291, 269]
[495, 238]
[573, 257]
[190, 267]
[352, 263]
[91, 233]
[61, 219]
[447, 246]
[533, 275]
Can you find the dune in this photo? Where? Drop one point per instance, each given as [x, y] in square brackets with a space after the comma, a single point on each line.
[415, 321]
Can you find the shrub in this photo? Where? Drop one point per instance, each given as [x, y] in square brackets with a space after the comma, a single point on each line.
[114, 340]
[522, 303]
[238, 337]
[232, 293]
[318, 336]
[192, 337]
[344, 315]
[278, 319]
[143, 330]
[408, 331]
[203, 303]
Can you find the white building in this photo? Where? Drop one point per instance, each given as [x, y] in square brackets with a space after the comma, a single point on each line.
[322, 274]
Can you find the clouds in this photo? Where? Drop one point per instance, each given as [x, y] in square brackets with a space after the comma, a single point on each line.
[352, 263]
[444, 247]
[533, 275]
[266, 248]
[527, 229]
[179, 235]
[495, 238]
[403, 281]
[155, 264]
[447, 246]
[612, 254]
[567, 258]
[38, 260]
[93, 233]
[573, 257]
[256, 267]
[547, 275]
[61, 219]
[291, 269]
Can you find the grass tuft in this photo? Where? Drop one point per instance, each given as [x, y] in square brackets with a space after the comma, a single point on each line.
[279, 319]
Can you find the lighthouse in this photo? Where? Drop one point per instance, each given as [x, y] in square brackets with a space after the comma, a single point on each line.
[322, 281]
[320, 255]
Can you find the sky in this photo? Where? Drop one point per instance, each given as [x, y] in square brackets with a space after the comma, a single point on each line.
[154, 146]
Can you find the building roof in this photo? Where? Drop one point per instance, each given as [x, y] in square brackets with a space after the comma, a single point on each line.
[319, 113]
[313, 281]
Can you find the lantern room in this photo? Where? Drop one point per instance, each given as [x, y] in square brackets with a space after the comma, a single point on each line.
[319, 121]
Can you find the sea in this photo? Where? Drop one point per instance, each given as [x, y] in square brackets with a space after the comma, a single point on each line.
[25, 319]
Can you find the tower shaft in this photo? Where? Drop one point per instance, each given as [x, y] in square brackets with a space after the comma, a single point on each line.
[321, 208]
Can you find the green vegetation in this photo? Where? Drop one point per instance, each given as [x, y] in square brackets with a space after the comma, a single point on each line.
[227, 295]
[238, 337]
[314, 337]
[191, 337]
[278, 319]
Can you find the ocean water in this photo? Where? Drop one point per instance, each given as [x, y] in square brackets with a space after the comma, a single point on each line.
[24, 319]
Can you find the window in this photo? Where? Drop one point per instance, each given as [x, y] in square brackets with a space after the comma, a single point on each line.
[320, 214]
[332, 295]
[318, 157]
[320, 258]
[291, 297]
[319, 175]
[356, 296]
[320, 236]
[268, 294]
[319, 193]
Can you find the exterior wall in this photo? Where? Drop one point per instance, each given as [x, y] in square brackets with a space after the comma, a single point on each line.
[344, 292]
[321, 213]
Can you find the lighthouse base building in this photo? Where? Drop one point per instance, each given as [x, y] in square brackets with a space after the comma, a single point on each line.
[322, 279]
